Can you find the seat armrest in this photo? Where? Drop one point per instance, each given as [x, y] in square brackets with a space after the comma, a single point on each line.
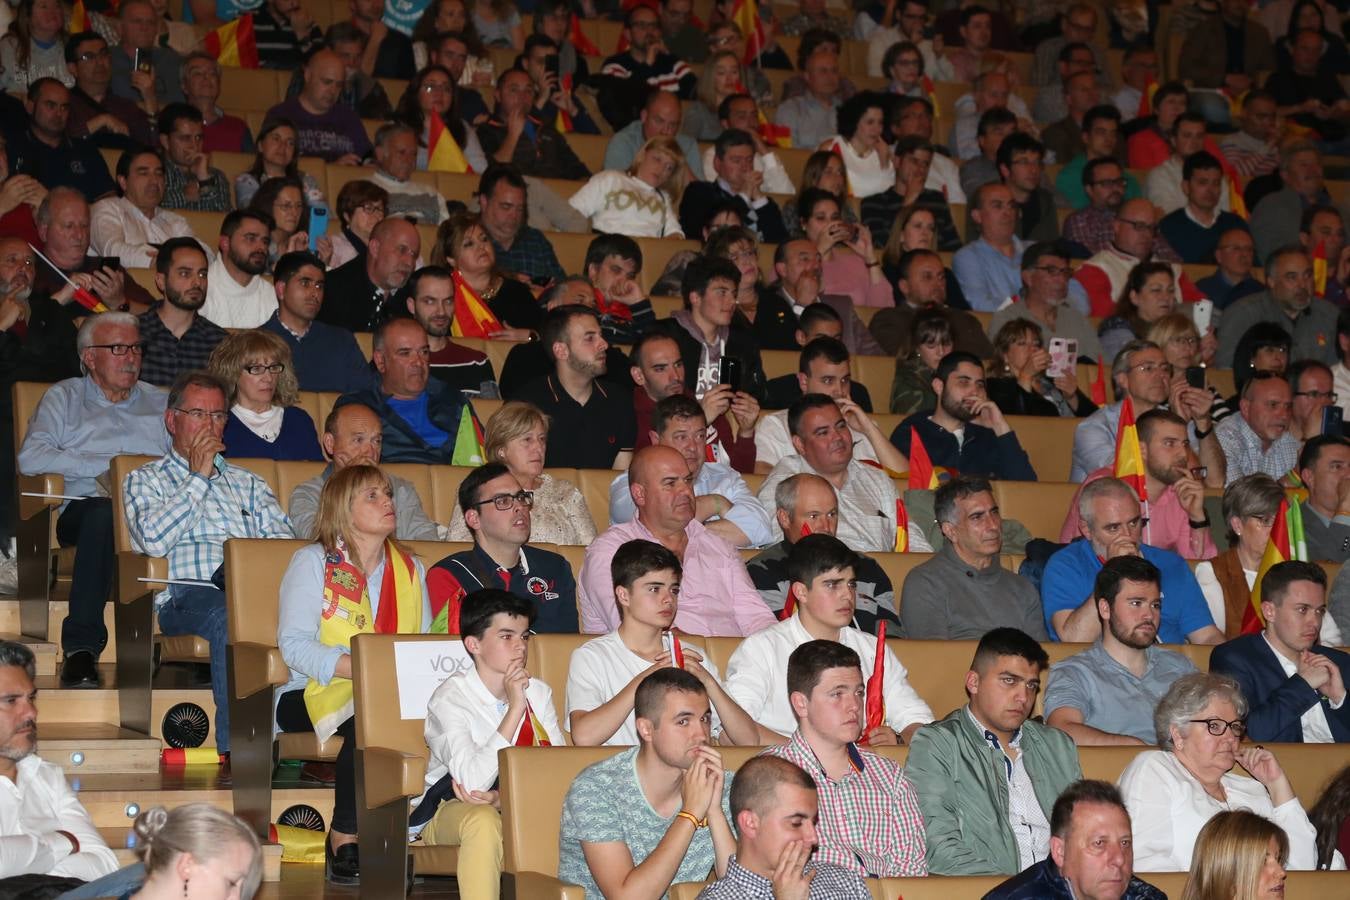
[132, 566]
[391, 774]
[257, 667]
[538, 886]
[39, 484]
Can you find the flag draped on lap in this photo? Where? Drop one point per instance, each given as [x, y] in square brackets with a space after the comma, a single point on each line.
[443, 151]
[1286, 542]
[234, 44]
[1129, 466]
[876, 694]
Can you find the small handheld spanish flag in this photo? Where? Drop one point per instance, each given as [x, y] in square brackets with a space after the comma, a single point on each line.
[1286, 542]
[876, 693]
[1319, 266]
[1099, 384]
[773, 134]
[676, 651]
[930, 91]
[922, 476]
[79, 18]
[472, 317]
[234, 43]
[532, 733]
[901, 526]
[443, 153]
[745, 13]
[584, 45]
[1146, 98]
[1129, 466]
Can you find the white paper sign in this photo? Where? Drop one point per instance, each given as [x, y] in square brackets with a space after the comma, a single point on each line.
[420, 667]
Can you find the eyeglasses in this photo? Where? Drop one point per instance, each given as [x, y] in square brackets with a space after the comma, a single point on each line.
[259, 368]
[436, 87]
[1329, 396]
[721, 40]
[1141, 227]
[373, 209]
[504, 502]
[1150, 368]
[89, 55]
[1218, 726]
[1061, 271]
[120, 349]
[217, 416]
[289, 207]
[1185, 340]
[1109, 182]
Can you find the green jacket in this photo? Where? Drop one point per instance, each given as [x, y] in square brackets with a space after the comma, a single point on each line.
[963, 791]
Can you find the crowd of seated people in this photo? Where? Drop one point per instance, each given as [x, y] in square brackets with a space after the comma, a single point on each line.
[1088, 222]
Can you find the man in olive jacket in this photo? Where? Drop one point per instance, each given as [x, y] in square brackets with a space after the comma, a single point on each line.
[987, 778]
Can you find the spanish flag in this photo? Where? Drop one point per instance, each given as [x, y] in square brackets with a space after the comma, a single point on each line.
[676, 651]
[443, 154]
[468, 450]
[745, 13]
[233, 44]
[584, 45]
[901, 526]
[922, 476]
[1099, 384]
[1319, 263]
[930, 91]
[1146, 99]
[472, 317]
[532, 733]
[1230, 174]
[79, 19]
[876, 692]
[564, 121]
[1129, 462]
[1286, 542]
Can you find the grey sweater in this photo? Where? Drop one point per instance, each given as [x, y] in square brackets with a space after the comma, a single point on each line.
[946, 598]
[413, 524]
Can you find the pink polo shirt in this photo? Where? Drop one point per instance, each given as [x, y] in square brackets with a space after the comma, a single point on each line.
[1169, 526]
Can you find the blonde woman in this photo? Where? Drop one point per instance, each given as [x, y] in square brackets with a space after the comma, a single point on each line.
[257, 370]
[196, 850]
[355, 579]
[517, 436]
[1238, 856]
[642, 202]
[722, 77]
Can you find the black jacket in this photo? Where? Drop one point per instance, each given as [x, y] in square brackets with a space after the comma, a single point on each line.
[350, 300]
[701, 196]
[983, 453]
[740, 345]
[547, 155]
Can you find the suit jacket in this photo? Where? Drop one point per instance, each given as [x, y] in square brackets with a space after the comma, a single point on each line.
[350, 300]
[1278, 702]
[775, 325]
[701, 196]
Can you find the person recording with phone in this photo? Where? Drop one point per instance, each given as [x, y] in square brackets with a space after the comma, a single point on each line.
[142, 71]
[1035, 381]
[555, 98]
[848, 260]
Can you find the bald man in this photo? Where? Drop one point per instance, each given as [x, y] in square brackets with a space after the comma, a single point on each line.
[716, 595]
[325, 127]
[353, 436]
[1134, 239]
[661, 116]
[362, 292]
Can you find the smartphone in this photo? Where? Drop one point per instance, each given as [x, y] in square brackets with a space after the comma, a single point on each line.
[1063, 356]
[112, 263]
[729, 372]
[318, 226]
[552, 64]
[142, 60]
[1202, 313]
[1332, 420]
[1195, 376]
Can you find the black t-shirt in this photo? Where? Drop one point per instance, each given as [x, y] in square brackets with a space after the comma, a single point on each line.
[515, 305]
[584, 437]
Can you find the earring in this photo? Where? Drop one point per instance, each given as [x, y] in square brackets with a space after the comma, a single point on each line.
[185, 887]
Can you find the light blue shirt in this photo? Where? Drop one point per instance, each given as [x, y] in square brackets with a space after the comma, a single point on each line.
[746, 512]
[987, 277]
[77, 430]
[627, 141]
[1094, 441]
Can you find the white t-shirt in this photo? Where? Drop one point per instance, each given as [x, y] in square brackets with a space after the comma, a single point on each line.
[601, 668]
[772, 441]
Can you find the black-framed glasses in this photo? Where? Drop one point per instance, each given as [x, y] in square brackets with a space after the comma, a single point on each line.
[1141, 227]
[120, 349]
[217, 416]
[1217, 726]
[1329, 396]
[504, 502]
[1061, 271]
[259, 369]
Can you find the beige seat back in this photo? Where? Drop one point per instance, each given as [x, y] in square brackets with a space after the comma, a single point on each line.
[1048, 442]
[27, 396]
[1039, 505]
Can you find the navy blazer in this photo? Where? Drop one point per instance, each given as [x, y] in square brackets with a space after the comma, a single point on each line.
[1277, 702]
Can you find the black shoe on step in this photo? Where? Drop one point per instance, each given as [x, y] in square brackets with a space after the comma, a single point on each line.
[341, 866]
[79, 670]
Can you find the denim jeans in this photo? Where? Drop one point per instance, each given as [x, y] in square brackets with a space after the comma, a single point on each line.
[201, 611]
[124, 881]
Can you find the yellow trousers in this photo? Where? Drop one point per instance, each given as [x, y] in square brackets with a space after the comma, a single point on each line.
[476, 829]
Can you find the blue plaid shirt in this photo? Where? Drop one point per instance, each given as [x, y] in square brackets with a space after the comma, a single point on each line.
[530, 254]
[174, 512]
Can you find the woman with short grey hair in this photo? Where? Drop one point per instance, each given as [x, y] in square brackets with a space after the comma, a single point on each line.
[1172, 792]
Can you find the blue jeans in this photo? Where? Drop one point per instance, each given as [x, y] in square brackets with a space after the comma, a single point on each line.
[114, 884]
[201, 611]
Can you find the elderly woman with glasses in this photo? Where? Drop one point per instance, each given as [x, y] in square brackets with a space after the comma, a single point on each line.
[517, 436]
[1172, 792]
[256, 368]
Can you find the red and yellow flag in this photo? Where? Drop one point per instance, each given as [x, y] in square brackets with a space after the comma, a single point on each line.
[584, 45]
[876, 692]
[1236, 204]
[79, 19]
[234, 44]
[443, 153]
[922, 475]
[564, 121]
[745, 13]
[1099, 384]
[532, 733]
[1319, 263]
[790, 604]
[1129, 462]
[771, 133]
[676, 651]
[472, 317]
[1282, 546]
[1146, 98]
[901, 526]
[930, 91]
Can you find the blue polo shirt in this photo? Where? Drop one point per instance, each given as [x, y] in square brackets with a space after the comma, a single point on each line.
[1070, 573]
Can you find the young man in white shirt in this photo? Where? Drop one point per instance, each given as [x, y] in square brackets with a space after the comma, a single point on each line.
[824, 589]
[470, 717]
[604, 674]
[237, 295]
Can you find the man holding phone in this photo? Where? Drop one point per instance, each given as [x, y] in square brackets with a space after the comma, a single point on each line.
[189, 180]
[516, 134]
[703, 329]
[553, 97]
[142, 71]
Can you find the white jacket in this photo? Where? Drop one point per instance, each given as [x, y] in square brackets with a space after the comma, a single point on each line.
[619, 203]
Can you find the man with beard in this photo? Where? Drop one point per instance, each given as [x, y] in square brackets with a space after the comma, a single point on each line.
[1288, 301]
[47, 830]
[1296, 687]
[362, 292]
[1044, 299]
[1106, 694]
[431, 301]
[133, 226]
[966, 431]
[724, 503]
[326, 358]
[63, 227]
[1112, 524]
[1099, 282]
[79, 426]
[421, 418]
[237, 295]
[1177, 520]
[592, 417]
[175, 336]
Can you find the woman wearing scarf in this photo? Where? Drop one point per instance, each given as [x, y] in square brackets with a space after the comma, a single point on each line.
[355, 579]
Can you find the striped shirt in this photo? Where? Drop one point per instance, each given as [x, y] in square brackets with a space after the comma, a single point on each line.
[870, 821]
[176, 513]
[830, 883]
